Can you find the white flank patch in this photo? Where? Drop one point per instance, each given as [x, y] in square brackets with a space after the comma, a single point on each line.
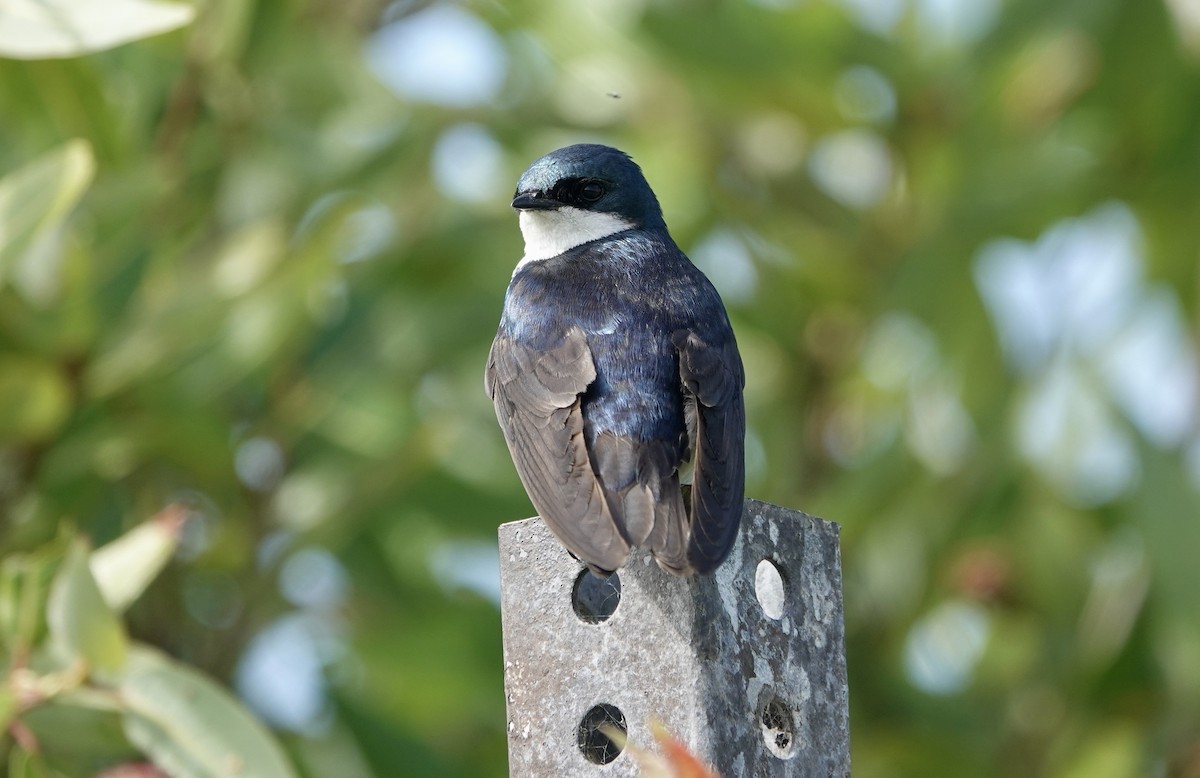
[549, 233]
[609, 327]
[686, 471]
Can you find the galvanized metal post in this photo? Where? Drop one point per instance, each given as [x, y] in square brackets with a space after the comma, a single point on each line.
[747, 667]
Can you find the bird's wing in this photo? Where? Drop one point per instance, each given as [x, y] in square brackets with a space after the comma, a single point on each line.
[639, 480]
[537, 398]
[714, 377]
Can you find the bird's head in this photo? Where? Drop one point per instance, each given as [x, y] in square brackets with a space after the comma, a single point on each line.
[582, 193]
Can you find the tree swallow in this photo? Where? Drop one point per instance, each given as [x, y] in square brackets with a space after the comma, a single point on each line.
[615, 373]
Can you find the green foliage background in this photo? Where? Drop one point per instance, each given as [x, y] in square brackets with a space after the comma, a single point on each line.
[199, 298]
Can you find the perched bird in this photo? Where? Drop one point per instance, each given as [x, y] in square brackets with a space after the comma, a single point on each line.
[615, 373]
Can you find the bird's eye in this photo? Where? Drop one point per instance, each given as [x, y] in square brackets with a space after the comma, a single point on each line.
[591, 191]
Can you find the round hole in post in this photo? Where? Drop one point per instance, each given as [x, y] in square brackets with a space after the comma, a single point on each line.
[601, 734]
[769, 589]
[594, 598]
[778, 728]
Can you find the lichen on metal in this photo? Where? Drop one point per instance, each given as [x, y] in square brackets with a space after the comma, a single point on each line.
[747, 667]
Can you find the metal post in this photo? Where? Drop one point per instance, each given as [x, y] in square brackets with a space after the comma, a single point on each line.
[747, 667]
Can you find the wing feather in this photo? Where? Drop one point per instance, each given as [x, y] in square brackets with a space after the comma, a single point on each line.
[638, 476]
[537, 399]
[715, 378]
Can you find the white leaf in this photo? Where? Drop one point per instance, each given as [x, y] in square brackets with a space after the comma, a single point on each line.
[45, 29]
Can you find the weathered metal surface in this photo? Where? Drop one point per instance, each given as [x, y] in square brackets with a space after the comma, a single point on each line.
[751, 677]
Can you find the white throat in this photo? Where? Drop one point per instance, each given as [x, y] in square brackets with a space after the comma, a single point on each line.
[549, 233]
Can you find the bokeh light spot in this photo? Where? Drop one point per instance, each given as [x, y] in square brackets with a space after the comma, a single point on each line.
[468, 165]
[944, 646]
[863, 94]
[726, 260]
[442, 55]
[281, 677]
[314, 578]
[853, 167]
[259, 464]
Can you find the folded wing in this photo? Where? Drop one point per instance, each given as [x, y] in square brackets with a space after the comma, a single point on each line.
[714, 377]
[537, 400]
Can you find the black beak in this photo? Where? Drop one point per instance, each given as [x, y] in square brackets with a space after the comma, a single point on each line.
[535, 201]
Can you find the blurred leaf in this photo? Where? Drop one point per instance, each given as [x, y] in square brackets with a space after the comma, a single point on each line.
[675, 761]
[35, 201]
[190, 726]
[24, 583]
[126, 566]
[13, 613]
[37, 196]
[133, 770]
[684, 764]
[77, 731]
[8, 707]
[34, 397]
[42, 29]
[80, 620]
[1110, 753]
[23, 764]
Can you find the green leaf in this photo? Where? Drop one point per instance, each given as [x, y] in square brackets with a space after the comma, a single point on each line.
[24, 585]
[8, 707]
[190, 726]
[35, 201]
[35, 397]
[44, 29]
[12, 627]
[126, 566]
[80, 620]
[78, 730]
[23, 764]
